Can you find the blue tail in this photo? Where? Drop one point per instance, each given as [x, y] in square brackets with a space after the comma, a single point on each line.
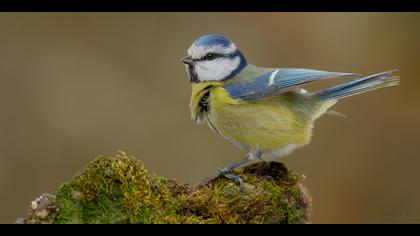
[357, 86]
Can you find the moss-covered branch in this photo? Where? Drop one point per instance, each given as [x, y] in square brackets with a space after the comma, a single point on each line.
[120, 190]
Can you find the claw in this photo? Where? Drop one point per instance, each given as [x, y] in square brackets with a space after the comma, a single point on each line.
[207, 181]
[236, 179]
[223, 172]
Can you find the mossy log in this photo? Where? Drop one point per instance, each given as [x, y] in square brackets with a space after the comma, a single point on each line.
[120, 190]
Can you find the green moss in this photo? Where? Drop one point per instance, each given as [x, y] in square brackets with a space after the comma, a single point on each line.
[114, 190]
[120, 190]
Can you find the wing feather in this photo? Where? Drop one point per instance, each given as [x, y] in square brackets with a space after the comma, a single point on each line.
[277, 81]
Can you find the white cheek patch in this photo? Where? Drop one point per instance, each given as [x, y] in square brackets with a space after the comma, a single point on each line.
[197, 52]
[216, 70]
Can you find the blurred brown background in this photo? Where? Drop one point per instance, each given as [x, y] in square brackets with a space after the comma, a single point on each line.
[78, 85]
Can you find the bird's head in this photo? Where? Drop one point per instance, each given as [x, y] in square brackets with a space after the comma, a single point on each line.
[213, 57]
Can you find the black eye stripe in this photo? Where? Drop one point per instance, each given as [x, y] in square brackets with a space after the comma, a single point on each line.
[217, 55]
[207, 58]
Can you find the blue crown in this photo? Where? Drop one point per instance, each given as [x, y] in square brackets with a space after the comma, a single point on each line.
[212, 39]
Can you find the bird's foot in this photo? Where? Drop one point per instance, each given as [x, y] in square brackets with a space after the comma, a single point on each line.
[223, 174]
[235, 179]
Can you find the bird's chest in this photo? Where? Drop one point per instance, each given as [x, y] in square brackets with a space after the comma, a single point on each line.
[206, 96]
[219, 108]
[266, 124]
[213, 106]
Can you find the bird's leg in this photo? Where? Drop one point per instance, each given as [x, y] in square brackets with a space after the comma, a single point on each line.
[223, 172]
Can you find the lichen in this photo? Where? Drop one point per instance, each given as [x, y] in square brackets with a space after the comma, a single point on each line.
[120, 190]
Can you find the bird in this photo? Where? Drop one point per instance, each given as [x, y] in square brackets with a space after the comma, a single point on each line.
[263, 111]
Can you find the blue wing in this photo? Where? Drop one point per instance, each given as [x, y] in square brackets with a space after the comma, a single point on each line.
[277, 81]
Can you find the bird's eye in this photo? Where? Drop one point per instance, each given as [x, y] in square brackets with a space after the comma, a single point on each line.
[209, 56]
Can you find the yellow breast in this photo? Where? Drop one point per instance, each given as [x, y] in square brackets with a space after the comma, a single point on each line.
[265, 124]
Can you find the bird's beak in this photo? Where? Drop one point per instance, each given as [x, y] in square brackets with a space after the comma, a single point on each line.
[187, 60]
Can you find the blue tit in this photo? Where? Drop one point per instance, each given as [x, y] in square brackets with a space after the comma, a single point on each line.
[263, 111]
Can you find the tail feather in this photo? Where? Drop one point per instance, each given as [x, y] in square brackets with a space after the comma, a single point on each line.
[358, 86]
